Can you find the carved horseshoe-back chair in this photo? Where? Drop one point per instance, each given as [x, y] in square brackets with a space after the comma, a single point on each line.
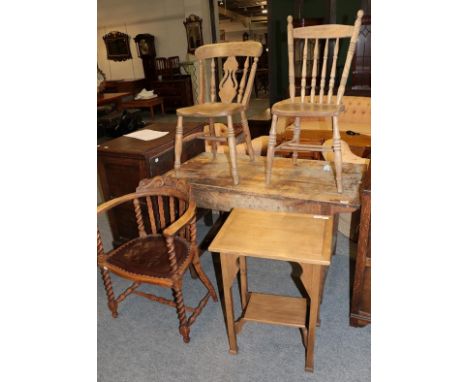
[233, 96]
[166, 218]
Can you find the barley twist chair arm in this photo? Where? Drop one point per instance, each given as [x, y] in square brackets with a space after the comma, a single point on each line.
[106, 206]
[182, 221]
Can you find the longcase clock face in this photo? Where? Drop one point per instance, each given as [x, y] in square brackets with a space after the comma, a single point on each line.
[145, 43]
[144, 48]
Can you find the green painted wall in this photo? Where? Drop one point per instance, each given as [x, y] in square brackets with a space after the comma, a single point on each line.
[278, 10]
[346, 11]
[277, 55]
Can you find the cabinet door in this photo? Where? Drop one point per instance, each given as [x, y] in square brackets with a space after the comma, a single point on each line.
[361, 297]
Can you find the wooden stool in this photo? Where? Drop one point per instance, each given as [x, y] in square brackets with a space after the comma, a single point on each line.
[305, 239]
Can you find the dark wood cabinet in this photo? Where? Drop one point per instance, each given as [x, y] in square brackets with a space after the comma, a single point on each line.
[124, 161]
[177, 91]
[361, 66]
[361, 297]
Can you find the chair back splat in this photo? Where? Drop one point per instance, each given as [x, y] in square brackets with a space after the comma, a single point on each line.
[229, 87]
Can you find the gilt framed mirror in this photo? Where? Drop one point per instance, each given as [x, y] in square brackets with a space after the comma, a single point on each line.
[117, 46]
[193, 28]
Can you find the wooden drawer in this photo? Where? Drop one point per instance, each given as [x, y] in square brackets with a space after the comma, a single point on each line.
[160, 164]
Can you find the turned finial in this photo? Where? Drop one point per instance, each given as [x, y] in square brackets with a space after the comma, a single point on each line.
[360, 13]
[290, 19]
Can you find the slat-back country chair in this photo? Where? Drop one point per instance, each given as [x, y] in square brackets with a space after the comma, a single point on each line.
[162, 68]
[312, 105]
[166, 218]
[233, 97]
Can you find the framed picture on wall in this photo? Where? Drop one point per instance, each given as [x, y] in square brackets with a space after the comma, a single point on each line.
[117, 46]
[193, 28]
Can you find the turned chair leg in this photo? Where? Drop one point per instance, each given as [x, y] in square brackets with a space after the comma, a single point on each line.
[214, 144]
[296, 137]
[337, 154]
[196, 261]
[184, 329]
[232, 150]
[248, 140]
[111, 302]
[271, 149]
[178, 144]
[204, 278]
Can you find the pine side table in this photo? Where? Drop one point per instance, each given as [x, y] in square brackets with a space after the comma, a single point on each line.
[302, 238]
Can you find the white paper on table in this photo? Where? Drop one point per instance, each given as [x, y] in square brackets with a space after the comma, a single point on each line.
[146, 134]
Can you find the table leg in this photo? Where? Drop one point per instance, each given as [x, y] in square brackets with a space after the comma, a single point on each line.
[243, 281]
[152, 112]
[336, 219]
[162, 108]
[311, 277]
[229, 269]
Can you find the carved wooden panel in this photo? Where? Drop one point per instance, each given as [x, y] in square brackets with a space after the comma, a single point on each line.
[228, 85]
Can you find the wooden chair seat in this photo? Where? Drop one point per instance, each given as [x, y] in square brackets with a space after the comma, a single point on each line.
[296, 108]
[214, 109]
[148, 256]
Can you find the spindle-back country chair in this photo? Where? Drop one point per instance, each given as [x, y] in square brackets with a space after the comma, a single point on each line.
[166, 218]
[161, 67]
[313, 105]
[233, 97]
